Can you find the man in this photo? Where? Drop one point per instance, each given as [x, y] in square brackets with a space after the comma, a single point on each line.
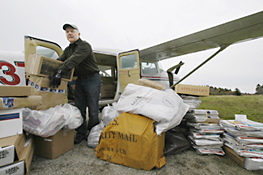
[79, 55]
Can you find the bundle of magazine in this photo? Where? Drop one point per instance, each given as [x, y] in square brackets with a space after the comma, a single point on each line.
[192, 101]
[204, 137]
[245, 137]
[202, 115]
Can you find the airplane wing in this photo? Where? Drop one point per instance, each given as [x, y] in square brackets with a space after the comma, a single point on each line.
[249, 27]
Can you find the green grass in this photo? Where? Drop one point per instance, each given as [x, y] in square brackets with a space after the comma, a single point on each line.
[227, 106]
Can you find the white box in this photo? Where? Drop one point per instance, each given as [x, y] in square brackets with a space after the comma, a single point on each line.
[11, 122]
[7, 155]
[14, 169]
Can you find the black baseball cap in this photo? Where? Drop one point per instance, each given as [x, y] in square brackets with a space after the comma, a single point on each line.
[70, 25]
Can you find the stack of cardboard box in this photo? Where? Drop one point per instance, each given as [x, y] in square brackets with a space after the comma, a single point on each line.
[16, 150]
[39, 68]
[16, 146]
[16, 153]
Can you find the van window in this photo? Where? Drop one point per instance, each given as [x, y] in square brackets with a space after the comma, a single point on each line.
[47, 52]
[149, 68]
[128, 61]
[106, 71]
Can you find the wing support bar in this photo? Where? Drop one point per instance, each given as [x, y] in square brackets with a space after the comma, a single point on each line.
[208, 59]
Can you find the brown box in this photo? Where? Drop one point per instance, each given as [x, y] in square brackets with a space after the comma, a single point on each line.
[234, 156]
[44, 66]
[14, 91]
[50, 96]
[192, 90]
[54, 146]
[27, 154]
[20, 102]
[152, 84]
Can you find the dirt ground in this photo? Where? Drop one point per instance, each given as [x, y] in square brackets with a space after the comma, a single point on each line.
[82, 160]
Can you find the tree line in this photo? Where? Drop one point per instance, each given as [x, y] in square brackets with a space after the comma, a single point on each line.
[225, 91]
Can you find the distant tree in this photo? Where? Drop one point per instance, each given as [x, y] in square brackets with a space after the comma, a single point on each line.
[259, 89]
[258, 86]
[237, 92]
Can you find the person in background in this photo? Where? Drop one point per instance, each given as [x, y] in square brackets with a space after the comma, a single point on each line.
[79, 55]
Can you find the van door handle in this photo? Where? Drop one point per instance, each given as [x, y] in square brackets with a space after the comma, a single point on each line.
[129, 73]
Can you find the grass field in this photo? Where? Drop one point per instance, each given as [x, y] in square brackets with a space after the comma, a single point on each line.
[228, 106]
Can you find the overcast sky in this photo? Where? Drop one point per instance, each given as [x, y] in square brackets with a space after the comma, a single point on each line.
[138, 24]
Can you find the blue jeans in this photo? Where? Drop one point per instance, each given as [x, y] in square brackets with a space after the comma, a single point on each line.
[87, 94]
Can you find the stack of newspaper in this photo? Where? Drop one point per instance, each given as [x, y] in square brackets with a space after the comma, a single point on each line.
[192, 101]
[201, 115]
[245, 137]
[205, 135]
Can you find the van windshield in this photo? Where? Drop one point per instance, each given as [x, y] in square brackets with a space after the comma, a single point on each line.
[149, 68]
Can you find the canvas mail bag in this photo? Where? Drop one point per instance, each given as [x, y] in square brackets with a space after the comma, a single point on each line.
[130, 140]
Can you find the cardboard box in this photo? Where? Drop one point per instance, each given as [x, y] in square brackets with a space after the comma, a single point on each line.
[192, 90]
[43, 66]
[11, 122]
[15, 168]
[14, 91]
[20, 102]
[50, 96]
[28, 153]
[107, 91]
[54, 146]
[12, 149]
[234, 156]
[152, 84]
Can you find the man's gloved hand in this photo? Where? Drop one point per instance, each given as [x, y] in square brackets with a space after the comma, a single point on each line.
[55, 79]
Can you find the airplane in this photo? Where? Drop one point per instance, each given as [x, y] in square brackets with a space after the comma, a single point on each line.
[117, 68]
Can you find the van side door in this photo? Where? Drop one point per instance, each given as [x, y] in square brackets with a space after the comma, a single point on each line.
[129, 68]
[41, 47]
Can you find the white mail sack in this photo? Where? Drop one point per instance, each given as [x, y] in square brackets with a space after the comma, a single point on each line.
[165, 107]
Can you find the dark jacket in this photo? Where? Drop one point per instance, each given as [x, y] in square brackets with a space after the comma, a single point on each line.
[79, 55]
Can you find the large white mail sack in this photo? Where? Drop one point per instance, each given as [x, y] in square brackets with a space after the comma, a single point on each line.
[164, 126]
[165, 107]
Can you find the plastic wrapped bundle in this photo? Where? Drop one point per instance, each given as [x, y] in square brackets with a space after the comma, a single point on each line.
[48, 122]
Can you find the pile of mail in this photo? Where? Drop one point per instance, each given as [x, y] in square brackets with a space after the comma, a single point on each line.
[245, 138]
[192, 101]
[201, 115]
[205, 131]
